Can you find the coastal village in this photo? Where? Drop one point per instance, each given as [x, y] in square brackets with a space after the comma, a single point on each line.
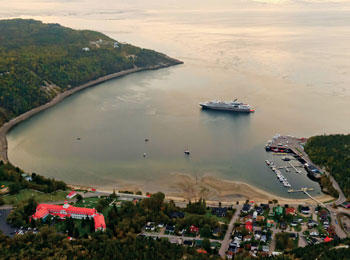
[245, 228]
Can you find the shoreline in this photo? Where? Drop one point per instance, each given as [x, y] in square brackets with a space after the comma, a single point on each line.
[5, 128]
[217, 190]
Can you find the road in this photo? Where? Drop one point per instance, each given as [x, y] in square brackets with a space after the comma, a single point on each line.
[177, 237]
[226, 241]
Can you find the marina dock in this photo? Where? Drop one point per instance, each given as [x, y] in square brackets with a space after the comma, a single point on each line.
[295, 147]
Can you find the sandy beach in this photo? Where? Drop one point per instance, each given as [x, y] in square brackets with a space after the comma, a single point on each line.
[61, 96]
[184, 187]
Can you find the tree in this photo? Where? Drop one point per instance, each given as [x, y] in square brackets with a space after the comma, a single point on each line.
[2, 202]
[205, 231]
[206, 244]
[79, 198]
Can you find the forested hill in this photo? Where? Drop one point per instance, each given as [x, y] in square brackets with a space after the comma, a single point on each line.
[333, 153]
[38, 61]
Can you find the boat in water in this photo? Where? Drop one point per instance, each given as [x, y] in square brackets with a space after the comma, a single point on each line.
[233, 106]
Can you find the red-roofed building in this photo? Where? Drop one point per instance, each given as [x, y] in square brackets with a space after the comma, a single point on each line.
[99, 222]
[71, 194]
[249, 226]
[194, 229]
[201, 251]
[290, 211]
[66, 210]
[327, 239]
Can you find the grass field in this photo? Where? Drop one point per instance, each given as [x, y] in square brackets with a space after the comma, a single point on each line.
[38, 196]
[87, 203]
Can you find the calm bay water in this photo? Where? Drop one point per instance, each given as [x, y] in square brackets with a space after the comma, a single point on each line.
[291, 61]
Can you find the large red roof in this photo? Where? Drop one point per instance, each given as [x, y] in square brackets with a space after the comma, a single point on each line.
[99, 222]
[66, 210]
[41, 213]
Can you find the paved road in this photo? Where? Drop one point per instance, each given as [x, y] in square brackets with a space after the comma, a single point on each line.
[226, 241]
[177, 237]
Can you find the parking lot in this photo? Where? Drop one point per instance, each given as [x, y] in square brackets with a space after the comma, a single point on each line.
[4, 227]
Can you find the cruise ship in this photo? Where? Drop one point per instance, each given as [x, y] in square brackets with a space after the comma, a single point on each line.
[234, 106]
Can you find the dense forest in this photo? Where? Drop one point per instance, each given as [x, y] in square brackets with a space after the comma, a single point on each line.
[333, 153]
[15, 177]
[39, 60]
[48, 244]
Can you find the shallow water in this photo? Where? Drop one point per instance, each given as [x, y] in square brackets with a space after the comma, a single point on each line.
[289, 60]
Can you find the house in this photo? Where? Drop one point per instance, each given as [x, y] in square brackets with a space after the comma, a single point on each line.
[293, 235]
[85, 49]
[188, 242]
[71, 194]
[283, 225]
[260, 218]
[265, 249]
[116, 45]
[263, 238]
[220, 212]
[247, 238]
[259, 210]
[201, 251]
[170, 229]
[66, 210]
[278, 210]
[327, 239]
[314, 233]
[254, 247]
[249, 226]
[194, 229]
[229, 254]
[311, 223]
[290, 211]
[294, 223]
[216, 232]
[246, 208]
[27, 177]
[257, 234]
[305, 210]
[270, 223]
[177, 215]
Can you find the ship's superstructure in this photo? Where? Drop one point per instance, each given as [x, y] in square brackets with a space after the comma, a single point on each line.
[234, 106]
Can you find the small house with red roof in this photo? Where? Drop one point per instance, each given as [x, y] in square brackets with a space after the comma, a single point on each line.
[290, 211]
[72, 194]
[327, 239]
[249, 226]
[194, 229]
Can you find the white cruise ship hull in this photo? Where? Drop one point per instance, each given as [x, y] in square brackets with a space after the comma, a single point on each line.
[228, 108]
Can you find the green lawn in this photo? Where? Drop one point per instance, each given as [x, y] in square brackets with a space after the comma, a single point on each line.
[88, 203]
[208, 214]
[38, 196]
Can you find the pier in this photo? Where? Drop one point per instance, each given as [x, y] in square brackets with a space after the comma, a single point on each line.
[305, 190]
